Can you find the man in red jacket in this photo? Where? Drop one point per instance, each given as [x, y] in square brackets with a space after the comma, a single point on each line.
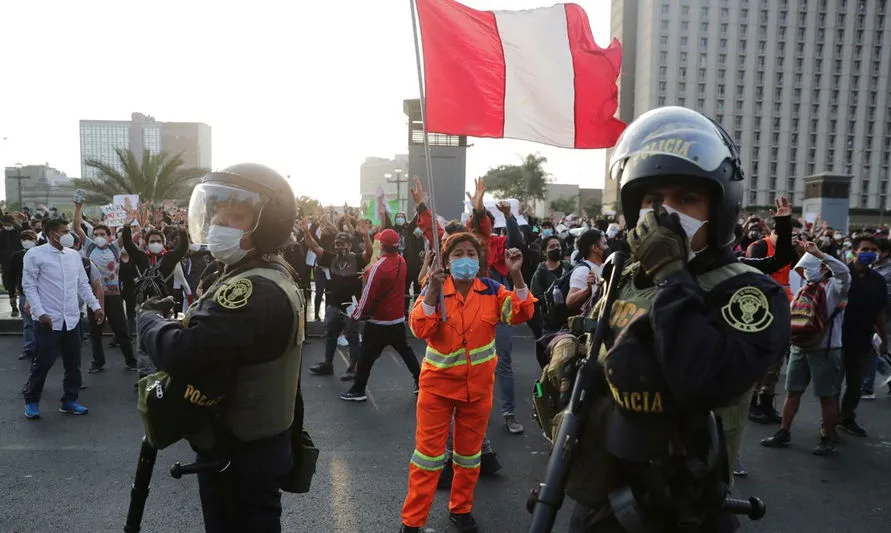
[383, 307]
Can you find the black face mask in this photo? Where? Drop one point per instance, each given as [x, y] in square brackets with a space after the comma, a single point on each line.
[554, 255]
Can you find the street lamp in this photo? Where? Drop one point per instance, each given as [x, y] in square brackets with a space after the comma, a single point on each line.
[19, 178]
[398, 181]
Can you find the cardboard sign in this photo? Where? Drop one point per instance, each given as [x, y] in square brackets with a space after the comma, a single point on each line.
[499, 217]
[114, 215]
[128, 201]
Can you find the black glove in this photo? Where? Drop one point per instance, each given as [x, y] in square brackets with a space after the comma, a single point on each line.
[659, 243]
[161, 306]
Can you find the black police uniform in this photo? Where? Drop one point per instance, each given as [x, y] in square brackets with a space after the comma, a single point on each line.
[237, 332]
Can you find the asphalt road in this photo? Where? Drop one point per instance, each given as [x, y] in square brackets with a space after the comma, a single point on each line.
[72, 474]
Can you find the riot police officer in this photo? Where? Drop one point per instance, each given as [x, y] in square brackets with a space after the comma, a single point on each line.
[691, 329]
[245, 330]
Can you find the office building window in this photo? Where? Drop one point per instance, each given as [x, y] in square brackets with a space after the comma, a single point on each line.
[663, 56]
[683, 56]
[663, 40]
[666, 9]
[685, 11]
[685, 25]
[682, 101]
[661, 101]
[663, 25]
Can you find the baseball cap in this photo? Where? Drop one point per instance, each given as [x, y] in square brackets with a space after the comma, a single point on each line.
[388, 237]
[643, 421]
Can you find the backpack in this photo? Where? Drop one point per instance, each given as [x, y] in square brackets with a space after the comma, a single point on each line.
[151, 283]
[554, 303]
[113, 247]
[809, 316]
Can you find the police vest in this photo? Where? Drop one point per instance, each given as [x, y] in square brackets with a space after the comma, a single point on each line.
[632, 302]
[261, 403]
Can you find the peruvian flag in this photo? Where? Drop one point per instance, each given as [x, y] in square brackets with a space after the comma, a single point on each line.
[535, 75]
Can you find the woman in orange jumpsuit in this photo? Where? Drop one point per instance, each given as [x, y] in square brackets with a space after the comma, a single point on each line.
[458, 373]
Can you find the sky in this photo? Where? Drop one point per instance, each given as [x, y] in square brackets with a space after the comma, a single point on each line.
[308, 88]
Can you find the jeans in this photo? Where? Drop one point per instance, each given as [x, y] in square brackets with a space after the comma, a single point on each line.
[28, 343]
[504, 374]
[319, 276]
[376, 337]
[51, 344]
[337, 322]
[877, 365]
[114, 315]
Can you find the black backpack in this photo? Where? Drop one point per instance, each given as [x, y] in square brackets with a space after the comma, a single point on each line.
[151, 283]
[554, 304]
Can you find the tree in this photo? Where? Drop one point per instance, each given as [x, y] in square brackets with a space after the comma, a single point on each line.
[158, 177]
[525, 182]
[308, 207]
[564, 205]
[593, 208]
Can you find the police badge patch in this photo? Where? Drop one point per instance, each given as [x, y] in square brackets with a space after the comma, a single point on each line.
[748, 311]
[234, 295]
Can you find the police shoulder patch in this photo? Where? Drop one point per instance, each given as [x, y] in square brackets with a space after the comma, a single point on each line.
[748, 311]
[234, 295]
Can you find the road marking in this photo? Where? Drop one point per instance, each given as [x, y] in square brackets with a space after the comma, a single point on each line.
[367, 388]
[341, 498]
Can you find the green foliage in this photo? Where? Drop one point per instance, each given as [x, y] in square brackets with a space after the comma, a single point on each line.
[525, 182]
[308, 207]
[593, 208]
[564, 205]
[158, 177]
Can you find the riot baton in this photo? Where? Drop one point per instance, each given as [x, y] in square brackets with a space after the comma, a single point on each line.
[140, 489]
[549, 497]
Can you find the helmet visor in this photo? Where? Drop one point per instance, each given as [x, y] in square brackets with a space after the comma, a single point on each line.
[687, 136]
[216, 204]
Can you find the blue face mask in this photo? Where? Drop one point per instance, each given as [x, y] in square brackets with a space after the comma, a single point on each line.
[867, 258]
[547, 232]
[465, 268]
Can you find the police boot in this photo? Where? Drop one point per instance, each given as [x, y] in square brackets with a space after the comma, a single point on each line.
[770, 412]
[489, 464]
[464, 522]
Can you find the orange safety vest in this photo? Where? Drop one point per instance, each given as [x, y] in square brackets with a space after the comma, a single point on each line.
[781, 276]
[460, 359]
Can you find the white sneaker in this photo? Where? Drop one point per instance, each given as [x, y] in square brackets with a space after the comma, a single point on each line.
[870, 396]
[342, 341]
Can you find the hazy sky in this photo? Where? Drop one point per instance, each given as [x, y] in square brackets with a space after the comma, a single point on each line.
[309, 90]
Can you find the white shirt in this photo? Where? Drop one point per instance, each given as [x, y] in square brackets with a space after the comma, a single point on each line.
[579, 277]
[52, 281]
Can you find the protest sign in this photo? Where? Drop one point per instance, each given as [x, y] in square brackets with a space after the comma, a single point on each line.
[114, 215]
[499, 217]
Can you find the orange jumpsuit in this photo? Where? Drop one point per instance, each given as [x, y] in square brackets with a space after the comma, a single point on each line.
[457, 379]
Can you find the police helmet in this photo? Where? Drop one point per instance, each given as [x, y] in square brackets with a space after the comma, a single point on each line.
[245, 190]
[675, 145]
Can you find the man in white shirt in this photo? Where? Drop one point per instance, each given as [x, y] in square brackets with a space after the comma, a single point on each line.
[592, 249]
[53, 278]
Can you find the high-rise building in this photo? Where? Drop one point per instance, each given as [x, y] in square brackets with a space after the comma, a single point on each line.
[801, 85]
[100, 138]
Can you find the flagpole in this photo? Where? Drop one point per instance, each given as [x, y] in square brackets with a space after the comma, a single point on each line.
[436, 248]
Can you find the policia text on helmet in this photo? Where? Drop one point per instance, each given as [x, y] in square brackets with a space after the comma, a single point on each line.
[228, 372]
[687, 331]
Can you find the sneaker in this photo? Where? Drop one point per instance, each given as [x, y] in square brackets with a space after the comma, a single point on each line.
[32, 410]
[773, 416]
[131, 367]
[353, 396]
[757, 415]
[489, 464]
[868, 396]
[510, 422]
[417, 388]
[322, 369]
[350, 375]
[95, 369]
[342, 341]
[26, 355]
[113, 344]
[825, 447]
[851, 427]
[780, 439]
[464, 522]
[739, 470]
[73, 408]
[409, 529]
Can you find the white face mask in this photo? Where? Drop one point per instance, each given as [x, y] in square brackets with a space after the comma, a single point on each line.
[225, 244]
[100, 241]
[27, 245]
[67, 240]
[194, 247]
[690, 225]
[155, 247]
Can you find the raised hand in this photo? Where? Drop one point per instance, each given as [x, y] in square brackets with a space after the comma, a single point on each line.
[417, 192]
[784, 208]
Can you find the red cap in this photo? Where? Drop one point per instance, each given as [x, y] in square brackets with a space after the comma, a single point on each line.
[388, 237]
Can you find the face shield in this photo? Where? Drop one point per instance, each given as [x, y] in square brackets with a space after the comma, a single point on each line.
[220, 204]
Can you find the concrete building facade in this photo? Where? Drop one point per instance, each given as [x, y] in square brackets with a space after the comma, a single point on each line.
[803, 86]
[39, 185]
[381, 172]
[100, 138]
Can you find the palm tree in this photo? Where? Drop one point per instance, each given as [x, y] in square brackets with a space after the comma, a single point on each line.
[158, 177]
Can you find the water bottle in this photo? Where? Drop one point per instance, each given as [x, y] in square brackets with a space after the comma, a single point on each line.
[558, 296]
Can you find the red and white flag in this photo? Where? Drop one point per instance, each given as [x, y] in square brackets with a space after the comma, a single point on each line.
[535, 75]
